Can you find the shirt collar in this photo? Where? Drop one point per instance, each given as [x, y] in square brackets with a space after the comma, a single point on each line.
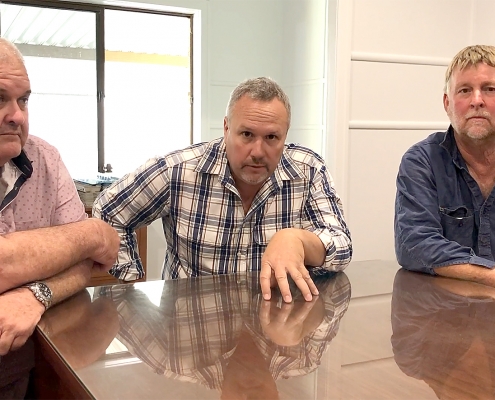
[23, 164]
[450, 145]
[214, 161]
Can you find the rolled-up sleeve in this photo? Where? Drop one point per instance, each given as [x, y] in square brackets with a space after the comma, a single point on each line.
[324, 217]
[134, 201]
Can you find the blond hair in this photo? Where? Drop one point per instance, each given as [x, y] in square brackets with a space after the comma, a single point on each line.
[468, 57]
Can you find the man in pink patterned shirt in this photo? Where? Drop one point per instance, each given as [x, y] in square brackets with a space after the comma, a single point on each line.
[47, 246]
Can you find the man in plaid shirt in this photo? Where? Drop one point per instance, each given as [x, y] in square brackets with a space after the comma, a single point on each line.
[243, 202]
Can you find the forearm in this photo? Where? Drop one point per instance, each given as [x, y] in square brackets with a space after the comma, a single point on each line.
[38, 254]
[69, 282]
[468, 272]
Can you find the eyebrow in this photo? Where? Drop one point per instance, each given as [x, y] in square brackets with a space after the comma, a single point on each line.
[26, 93]
[483, 83]
[244, 128]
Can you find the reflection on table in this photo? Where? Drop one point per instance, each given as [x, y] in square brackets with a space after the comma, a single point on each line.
[443, 334]
[216, 333]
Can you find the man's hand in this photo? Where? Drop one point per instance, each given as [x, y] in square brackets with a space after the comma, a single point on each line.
[289, 324]
[108, 245]
[285, 254]
[20, 311]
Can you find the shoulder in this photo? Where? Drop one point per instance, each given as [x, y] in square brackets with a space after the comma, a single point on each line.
[37, 148]
[189, 155]
[429, 145]
[303, 156]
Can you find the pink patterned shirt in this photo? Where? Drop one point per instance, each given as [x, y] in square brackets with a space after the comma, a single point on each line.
[47, 197]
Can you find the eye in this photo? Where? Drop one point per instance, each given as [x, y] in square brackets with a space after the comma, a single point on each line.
[246, 134]
[463, 90]
[271, 137]
[23, 101]
[490, 88]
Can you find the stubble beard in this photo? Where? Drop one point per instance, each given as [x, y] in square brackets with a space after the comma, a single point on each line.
[475, 131]
[252, 179]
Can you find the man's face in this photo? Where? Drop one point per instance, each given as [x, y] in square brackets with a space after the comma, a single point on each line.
[470, 102]
[14, 93]
[254, 139]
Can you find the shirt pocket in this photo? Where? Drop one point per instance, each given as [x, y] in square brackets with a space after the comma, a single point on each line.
[458, 225]
[262, 235]
[202, 243]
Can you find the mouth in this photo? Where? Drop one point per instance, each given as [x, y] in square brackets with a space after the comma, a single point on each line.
[477, 117]
[256, 170]
[9, 134]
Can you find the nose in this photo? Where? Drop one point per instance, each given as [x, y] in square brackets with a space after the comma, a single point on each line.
[14, 114]
[257, 151]
[477, 100]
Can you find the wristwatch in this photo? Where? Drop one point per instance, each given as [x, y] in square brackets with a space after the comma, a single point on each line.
[42, 293]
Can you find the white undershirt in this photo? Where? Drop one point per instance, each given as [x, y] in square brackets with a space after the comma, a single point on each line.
[8, 176]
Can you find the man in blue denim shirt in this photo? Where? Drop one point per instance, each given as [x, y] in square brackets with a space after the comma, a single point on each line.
[443, 209]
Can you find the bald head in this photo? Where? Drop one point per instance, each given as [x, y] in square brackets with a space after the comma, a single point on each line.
[9, 53]
[15, 90]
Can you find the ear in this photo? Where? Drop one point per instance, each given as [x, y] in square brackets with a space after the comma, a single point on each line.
[446, 102]
[225, 127]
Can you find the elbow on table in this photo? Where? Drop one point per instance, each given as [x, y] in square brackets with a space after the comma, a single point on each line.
[407, 261]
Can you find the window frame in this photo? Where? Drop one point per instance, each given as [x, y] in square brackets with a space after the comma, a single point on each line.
[99, 11]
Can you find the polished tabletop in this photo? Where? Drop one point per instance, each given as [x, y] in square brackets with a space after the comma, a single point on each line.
[374, 332]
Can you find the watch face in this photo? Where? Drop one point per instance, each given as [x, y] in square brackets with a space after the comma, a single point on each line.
[45, 291]
[42, 292]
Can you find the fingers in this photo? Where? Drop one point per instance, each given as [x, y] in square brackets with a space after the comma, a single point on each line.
[270, 276]
[264, 314]
[18, 342]
[6, 340]
[283, 285]
[301, 314]
[302, 280]
[305, 284]
[265, 281]
[283, 314]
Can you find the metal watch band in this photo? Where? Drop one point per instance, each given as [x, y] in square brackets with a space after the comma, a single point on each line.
[42, 293]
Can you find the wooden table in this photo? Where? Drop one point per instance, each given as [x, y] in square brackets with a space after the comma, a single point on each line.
[399, 335]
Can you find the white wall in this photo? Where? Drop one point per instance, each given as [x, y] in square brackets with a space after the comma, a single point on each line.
[244, 39]
[392, 56]
[303, 69]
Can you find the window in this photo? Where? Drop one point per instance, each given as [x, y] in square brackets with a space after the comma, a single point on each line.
[110, 86]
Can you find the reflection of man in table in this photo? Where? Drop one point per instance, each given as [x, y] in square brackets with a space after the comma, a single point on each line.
[217, 331]
[443, 334]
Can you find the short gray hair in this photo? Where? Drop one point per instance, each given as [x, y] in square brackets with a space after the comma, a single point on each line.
[263, 89]
[468, 57]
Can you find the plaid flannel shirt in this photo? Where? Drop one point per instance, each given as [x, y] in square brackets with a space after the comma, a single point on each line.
[205, 226]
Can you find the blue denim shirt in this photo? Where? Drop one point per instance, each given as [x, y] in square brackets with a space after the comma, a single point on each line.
[441, 217]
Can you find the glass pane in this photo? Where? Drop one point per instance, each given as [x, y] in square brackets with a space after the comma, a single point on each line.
[147, 85]
[59, 51]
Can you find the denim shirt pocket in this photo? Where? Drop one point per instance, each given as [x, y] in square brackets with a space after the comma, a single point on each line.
[458, 224]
